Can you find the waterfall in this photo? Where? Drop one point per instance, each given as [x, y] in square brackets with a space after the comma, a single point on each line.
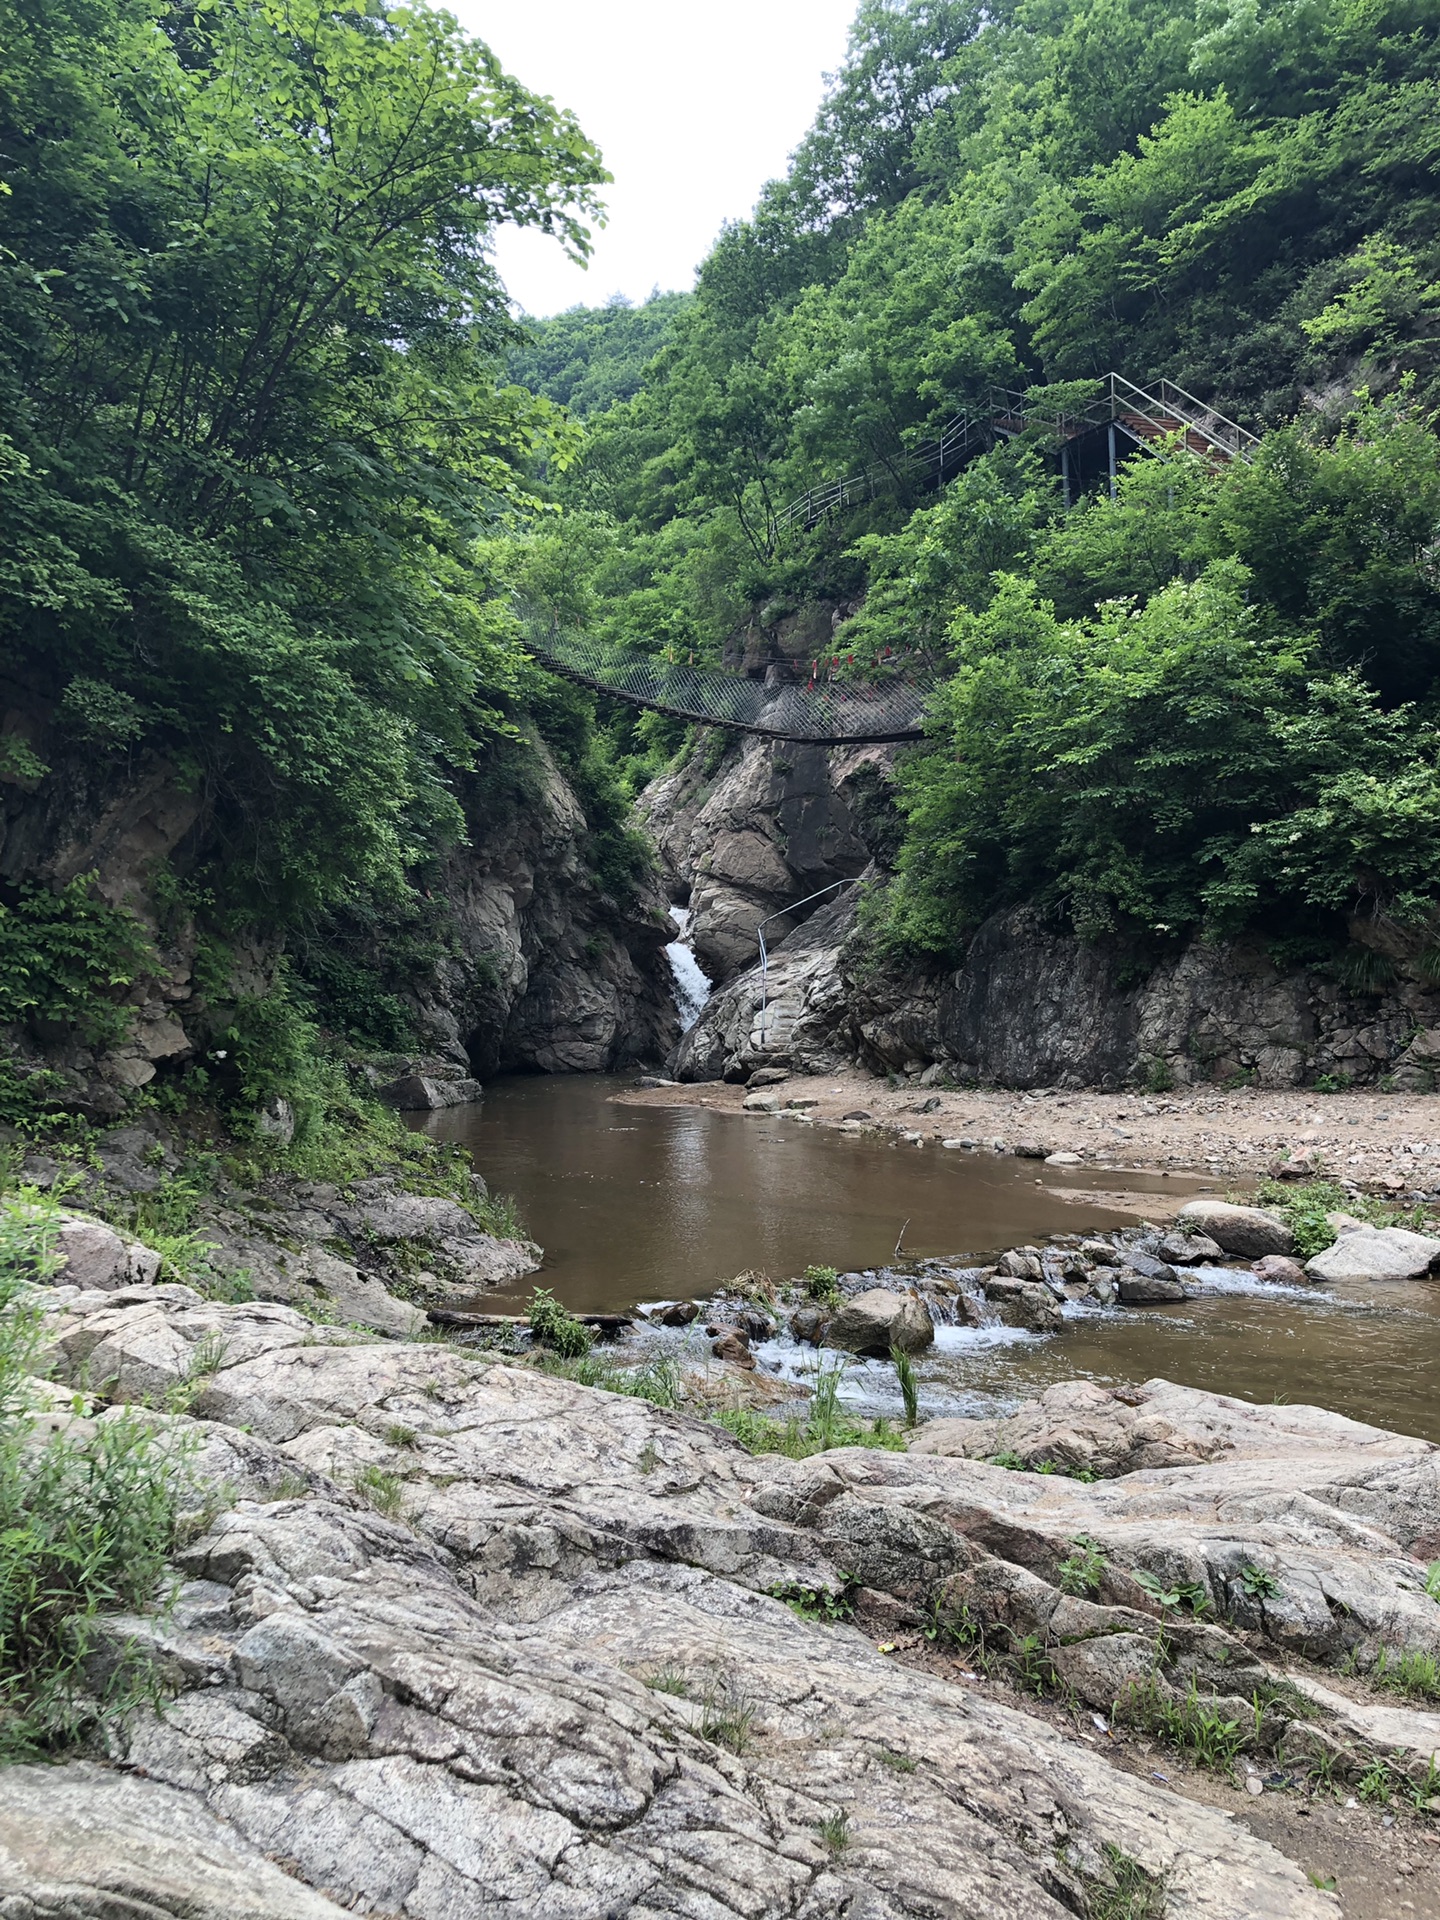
[692, 988]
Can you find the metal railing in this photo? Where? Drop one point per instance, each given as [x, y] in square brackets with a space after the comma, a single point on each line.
[794, 907]
[1003, 413]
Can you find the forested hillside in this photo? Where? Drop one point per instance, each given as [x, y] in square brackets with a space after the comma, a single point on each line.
[261, 464]
[280, 466]
[1206, 704]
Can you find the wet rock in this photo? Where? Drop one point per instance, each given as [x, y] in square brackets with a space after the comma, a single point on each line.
[808, 1325]
[655, 1080]
[731, 1345]
[1279, 1270]
[1020, 1263]
[1376, 1253]
[1189, 1249]
[1246, 1231]
[1147, 1266]
[752, 1321]
[858, 1113]
[873, 1322]
[1030, 1150]
[1136, 1289]
[1037, 1308]
[1100, 1253]
[1064, 1160]
[670, 1313]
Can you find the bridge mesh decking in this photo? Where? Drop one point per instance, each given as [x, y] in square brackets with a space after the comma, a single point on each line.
[830, 714]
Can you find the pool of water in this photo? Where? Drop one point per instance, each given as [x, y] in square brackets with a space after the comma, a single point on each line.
[642, 1203]
[636, 1203]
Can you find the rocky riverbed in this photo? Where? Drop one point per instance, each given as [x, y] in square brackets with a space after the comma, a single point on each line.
[450, 1637]
[1388, 1143]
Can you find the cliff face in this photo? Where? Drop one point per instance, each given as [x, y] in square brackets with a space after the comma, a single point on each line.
[550, 972]
[540, 967]
[1033, 1007]
[1030, 1006]
[745, 836]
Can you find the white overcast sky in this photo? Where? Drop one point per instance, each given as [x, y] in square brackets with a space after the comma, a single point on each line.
[694, 108]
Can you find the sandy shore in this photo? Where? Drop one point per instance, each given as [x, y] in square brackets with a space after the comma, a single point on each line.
[1386, 1143]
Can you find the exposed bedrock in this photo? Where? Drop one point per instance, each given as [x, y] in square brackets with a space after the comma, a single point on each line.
[1033, 1007]
[753, 834]
[549, 971]
[551, 1680]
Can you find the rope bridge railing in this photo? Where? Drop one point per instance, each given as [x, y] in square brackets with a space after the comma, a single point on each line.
[831, 713]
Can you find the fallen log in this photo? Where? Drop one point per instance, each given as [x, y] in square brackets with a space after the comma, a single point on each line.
[603, 1323]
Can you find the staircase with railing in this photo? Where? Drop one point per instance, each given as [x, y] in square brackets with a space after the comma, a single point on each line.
[1148, 416]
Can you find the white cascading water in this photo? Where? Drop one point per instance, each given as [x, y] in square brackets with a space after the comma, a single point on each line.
[692, 988]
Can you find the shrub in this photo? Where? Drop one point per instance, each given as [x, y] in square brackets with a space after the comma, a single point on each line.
[822, 1284]
[1083, 1571]
[551, 1326]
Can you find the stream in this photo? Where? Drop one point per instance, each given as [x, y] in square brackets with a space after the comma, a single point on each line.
[644, 1203]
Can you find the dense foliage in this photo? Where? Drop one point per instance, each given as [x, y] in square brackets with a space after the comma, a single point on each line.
[591, 357]
[252, 427]
[1210, 702]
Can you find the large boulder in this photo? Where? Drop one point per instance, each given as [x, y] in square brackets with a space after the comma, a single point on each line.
[874, 1322]
[94, 1255]
[1376, 1253]
[1246, 1231]
[421, 1093]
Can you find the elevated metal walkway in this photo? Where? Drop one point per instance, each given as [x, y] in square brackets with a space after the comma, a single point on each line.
[1145, 416]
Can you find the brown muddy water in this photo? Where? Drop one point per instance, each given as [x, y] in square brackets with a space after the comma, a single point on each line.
[645, 1203]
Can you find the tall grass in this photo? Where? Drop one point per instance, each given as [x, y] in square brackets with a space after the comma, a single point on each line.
[87, 1515]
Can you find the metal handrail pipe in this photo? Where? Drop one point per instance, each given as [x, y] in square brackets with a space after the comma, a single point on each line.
[794, 906]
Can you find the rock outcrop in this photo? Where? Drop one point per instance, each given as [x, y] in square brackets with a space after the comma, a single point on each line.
[1030, 1006]
[769, 825]
[531, 962]
[549, 971]
[363, 1255]
[549, 1679]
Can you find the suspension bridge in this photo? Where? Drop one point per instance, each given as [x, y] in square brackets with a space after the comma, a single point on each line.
[1093, 440]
